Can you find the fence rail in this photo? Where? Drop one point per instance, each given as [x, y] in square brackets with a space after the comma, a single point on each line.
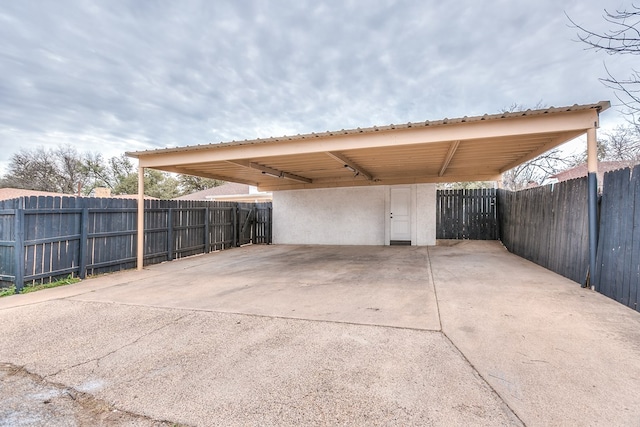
[44, 238]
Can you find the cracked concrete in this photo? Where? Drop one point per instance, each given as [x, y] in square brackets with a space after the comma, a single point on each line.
[227, 369]
[30, 400]
[97, 359]
[465, 334]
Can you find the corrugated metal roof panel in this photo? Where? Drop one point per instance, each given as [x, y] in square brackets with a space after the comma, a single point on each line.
[600, 106]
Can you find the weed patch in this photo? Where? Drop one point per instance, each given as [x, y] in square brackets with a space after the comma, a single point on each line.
[4, 292]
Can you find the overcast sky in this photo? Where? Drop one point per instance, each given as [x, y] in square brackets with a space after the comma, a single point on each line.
[113, 76]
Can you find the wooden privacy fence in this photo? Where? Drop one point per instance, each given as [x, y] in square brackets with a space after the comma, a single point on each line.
[466, 214]
[548, 225]
[43, 238]
[618, 257]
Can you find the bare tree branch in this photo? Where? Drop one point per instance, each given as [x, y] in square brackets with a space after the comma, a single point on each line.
[622, 39]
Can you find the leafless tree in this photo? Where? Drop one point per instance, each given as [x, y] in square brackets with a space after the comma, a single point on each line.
[622, 39]
[56, 170]
[536, 171]
[623, 144]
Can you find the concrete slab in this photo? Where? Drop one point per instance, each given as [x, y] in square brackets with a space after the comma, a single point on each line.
[556, 353]
[373, 285]
[294, 335]
[121, 278]
[207, 368]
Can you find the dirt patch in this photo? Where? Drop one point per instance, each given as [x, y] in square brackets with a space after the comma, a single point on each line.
[29, 400]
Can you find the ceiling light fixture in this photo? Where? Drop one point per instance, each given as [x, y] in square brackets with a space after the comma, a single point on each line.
[355, 171]
[281, 175]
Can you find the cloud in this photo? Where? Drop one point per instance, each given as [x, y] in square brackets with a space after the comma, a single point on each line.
[113, 76]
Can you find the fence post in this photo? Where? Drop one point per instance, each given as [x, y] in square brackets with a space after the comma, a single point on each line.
[18, 250]
[269, 225]
[170, 234]
[235, 225]
[84, 234]
[207, 237]
[254, 224]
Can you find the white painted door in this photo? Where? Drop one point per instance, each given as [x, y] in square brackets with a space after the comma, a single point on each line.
[400, 214]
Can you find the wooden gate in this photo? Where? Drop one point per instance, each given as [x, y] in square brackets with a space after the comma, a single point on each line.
[253, 223]
[246, 220]
[467, 214]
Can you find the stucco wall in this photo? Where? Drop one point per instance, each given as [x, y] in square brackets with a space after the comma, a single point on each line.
[348, 216]
[426, 214]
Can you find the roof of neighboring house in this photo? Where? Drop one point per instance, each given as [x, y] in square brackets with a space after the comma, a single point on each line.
[477, 148]
[581, 170]
[229, 191]
[129, 196]
[14, 193]
[226, 189]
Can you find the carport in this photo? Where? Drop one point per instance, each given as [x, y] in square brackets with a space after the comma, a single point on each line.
[379, 182]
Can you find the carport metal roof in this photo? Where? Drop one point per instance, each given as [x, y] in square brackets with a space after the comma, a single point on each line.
[449, 150]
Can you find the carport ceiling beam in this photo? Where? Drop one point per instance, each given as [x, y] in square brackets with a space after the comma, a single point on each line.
[452, 150]
[204, 174]
[273, 172]
[349, 164]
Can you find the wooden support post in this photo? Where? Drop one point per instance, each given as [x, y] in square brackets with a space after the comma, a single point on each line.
[207, 231]
[140, 246]
[254, 224]
[270, 225]
[170, 235]
[18, 248]
[234, 212]
[84, 237]
[592, 167]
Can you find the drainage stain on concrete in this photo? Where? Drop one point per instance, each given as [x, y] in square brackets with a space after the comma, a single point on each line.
[29, 400]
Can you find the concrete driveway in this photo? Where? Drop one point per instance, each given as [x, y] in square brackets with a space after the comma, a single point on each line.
[459, 334]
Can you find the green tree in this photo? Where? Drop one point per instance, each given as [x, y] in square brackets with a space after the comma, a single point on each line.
[110, 174]
[156, 184]
[65, 170]
[190, 184]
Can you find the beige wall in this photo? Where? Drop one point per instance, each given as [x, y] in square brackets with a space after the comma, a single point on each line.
[348, 216]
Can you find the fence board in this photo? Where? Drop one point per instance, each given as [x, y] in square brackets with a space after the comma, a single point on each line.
[634, 267]
[7, 242]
